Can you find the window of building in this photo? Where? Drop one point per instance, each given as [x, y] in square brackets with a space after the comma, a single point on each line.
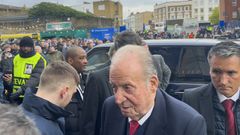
[196, 10]
[101, 7]
[210, 9]
[224, 13]
[201, 10]
[195, 2]
[234, 14]
[234, 2]
[202, 17]
[186, 8]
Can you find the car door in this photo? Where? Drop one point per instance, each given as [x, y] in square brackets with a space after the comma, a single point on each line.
[188, 65]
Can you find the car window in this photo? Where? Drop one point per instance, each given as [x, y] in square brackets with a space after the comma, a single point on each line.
[186, 63]
[97, 58]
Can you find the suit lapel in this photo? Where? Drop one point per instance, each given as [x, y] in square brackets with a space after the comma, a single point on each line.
[206, 108]
[119, 127]
[113, 119]
[158, 119]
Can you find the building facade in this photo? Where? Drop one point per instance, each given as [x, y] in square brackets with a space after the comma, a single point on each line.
[109, 9]
[229, 10]
[172, 10]
[130, 22]
[202, 9]
[8, 10]
[142, 20]
[138, 21]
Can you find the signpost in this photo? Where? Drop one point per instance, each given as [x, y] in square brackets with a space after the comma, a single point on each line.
[79, 33]
[58, 26]
[102, 33]
[221, 23]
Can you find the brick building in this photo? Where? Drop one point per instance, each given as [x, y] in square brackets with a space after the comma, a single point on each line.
[109, 9]
[229, 10]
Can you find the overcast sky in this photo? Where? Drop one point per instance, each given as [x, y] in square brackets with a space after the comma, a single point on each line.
[128, 5]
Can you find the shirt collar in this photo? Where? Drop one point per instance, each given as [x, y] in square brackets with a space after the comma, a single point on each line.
[221, 97]
[144, 118]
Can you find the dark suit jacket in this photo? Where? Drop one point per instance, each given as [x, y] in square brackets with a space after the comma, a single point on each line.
[73, 122]
[169, 117]
[96, 91]
[201, 100]
[163, 71]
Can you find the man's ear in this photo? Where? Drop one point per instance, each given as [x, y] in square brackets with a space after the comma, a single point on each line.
[64, 92]
[154, 83]
[70, 61]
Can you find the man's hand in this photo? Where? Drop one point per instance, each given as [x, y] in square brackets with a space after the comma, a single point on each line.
[15, 96]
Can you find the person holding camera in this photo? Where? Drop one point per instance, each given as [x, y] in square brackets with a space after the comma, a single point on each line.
[27, 68]
[5, 66]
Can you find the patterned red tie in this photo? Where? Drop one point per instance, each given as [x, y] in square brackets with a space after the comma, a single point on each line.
[133, 127]
[228, 105]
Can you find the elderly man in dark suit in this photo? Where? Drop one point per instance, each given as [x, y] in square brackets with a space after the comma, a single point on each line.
[138, 107]
[218, 101]
[98, 87]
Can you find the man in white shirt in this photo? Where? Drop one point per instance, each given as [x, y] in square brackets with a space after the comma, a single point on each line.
[218, 101]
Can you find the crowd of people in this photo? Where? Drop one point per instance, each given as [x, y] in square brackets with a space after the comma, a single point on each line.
[125, 97]
[201, 32]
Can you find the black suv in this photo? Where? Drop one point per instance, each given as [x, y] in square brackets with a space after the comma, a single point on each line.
[187, 59]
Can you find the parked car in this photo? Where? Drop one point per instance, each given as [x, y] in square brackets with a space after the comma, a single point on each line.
[187, 59]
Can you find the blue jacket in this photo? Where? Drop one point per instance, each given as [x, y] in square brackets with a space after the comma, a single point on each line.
[47, 116]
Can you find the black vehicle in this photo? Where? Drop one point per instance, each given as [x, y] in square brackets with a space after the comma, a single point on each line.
[187, 59]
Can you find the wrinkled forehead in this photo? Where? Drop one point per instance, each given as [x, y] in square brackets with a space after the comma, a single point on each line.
[125, 67]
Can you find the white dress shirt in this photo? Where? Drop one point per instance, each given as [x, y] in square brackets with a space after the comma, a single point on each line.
[144, 118]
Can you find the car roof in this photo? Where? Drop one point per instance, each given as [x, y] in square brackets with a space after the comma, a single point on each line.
[183, 42]
[175, 42]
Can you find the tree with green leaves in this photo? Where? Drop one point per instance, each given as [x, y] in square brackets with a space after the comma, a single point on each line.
[46, 10]
[214, 17]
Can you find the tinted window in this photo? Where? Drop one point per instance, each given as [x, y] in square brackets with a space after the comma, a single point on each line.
[96, 58]
[186, 63]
